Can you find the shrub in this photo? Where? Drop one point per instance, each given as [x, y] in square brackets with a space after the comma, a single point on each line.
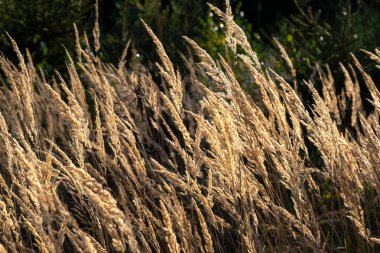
[42, 27]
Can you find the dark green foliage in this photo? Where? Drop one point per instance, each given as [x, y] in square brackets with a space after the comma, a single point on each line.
[169, 19]
[42, 27]
[315, 32]
[328, 33]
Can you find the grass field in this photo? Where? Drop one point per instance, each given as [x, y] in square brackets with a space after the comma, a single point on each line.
[109, 158]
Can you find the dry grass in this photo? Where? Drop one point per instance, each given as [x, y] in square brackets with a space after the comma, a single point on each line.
[133, 165]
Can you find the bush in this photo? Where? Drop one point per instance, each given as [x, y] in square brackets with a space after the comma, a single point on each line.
[43, 27]
[329, 35]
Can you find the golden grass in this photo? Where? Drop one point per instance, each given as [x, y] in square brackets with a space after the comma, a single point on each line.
[130, 165]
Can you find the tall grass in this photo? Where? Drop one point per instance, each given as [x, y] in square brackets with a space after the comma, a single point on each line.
[105, 159]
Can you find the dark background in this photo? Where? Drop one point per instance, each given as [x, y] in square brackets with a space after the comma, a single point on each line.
[46, 27]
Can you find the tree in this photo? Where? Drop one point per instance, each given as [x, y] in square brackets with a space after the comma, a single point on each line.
[43, 27]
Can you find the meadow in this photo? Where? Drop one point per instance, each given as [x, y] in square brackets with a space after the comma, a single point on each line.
[109, 158]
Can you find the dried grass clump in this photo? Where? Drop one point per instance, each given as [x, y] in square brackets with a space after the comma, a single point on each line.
[132, 165]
